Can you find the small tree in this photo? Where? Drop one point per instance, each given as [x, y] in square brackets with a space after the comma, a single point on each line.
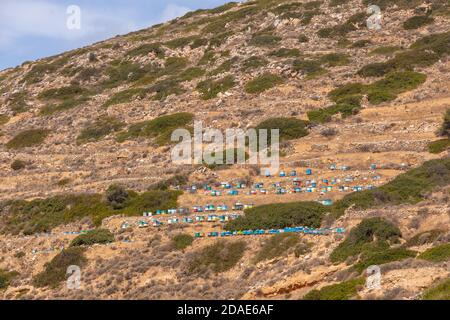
[116, 196]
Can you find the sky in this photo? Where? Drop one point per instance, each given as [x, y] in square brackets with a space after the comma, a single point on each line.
[32, 29]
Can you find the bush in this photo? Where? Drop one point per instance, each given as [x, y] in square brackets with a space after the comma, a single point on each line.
[353, 23]
[310, 68]
[3, 119]
[437, 254]
[224, 67]
[191, 74]
[18, 165]
[262, 83]
[378, 257]
[345, 108]
[309, 214]
[341, 291]
[177, 180]
[28, 138]
[145, 49]
[276, 246]
[6, 277]
[253, 62]
[368, 234]
[328, 132]
[42, 215]
[209, 89]
[55, 271]
[160, 129]
[416, 22]
[423, 238]
[285, 53]
[100, 128]
[182, 241]
[334, 59]
[220, 257]
[303, 39]
[441, 291]
[116, 196]
[439, 146]
[290, 128]
[180, 42]
[385, 50]
[125, 96]
[264, 40]
[17, 102]
[445, 129]
[97, 236]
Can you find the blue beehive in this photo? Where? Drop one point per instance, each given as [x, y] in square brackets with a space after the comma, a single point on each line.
[282, 174]
[373, 166]
[293, 173]
[267, 173]
[233, 192]
[308, 172]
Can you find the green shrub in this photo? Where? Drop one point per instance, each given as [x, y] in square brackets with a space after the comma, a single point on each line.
[285, 53]
[97, 236]
[372, 257]
[6, 277]
[344, 108]
[353, 23]
[174, 65]
[335, 3]
[347, 90]
[334, 59]
[408, 187]
[199, 42]
[253, 62]
[423, 238]
[276, 246]
[441, 291]
[416, 22]
[341, 291]
[145, 49]
[37, 72]
[207, 58]
[176, 180]
[18, 165]
[28, 138]
[445, 128]
[399, 4]
[180, 42]
[3, 119]
[303, 39]
[42, 215]
[122, 72]
[224, 67]
[219, 257]
[439, 146]
[262, 83]
[102, 127]
[437, 254]
[160, 129]
[290, 128]
[281, 215]
[264, 40]
[117, 196]
[361, 43]
[165, 88]
[191, 74]
[439, 43]
[310, 68]
[17, 102]
[55, 271]
[209, 88]
[182, 241]
[394, 84]
[385, 50]
[369, 234]
[125, 96]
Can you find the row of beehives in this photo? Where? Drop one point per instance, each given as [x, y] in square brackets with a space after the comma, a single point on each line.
[304, 230]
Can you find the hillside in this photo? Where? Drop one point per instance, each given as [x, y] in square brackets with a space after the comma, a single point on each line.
[84, 144]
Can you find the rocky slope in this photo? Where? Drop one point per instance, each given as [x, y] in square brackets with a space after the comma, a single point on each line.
[80, 122]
